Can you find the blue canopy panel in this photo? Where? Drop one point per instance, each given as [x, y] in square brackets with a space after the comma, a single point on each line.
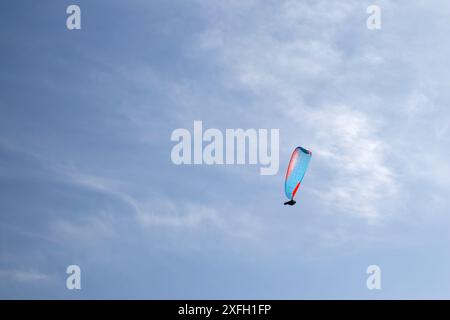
[296, 171]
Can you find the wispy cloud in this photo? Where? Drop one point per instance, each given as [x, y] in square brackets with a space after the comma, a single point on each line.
[359, 176]
[281, 68]
[85, 167]
[156, 211]
[23, 276]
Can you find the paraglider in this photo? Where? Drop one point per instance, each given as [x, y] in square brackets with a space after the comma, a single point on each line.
[295, 172]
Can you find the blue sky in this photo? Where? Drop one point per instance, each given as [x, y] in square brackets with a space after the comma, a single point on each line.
[85, 170]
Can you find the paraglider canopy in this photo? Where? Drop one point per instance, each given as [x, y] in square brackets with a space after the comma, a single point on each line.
[295, 172]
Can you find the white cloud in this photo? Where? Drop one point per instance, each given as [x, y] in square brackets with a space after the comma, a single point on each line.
[359, 177]
[285, 53]
[156, 211]
[85, 229]
[165, 214]
[23, 276]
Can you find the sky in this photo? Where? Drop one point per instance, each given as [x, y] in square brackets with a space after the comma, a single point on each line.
[86, 176]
